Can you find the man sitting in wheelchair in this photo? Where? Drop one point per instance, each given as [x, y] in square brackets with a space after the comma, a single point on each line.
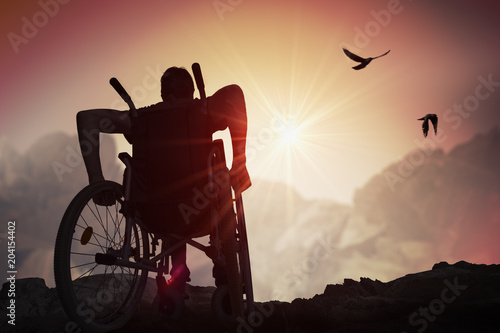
[168, 188]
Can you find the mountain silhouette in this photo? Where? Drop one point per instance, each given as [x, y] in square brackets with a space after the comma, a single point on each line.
[403, 220]
[461, 297]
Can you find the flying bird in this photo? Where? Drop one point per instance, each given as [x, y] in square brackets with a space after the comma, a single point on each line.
[363, 61]
[425, 125]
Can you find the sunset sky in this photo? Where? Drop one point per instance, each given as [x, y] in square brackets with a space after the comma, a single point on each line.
[342, 126]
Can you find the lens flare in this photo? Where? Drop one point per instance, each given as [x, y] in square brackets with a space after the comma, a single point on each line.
[290, 135]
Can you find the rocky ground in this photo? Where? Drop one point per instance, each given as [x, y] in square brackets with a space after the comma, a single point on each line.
[462, 297]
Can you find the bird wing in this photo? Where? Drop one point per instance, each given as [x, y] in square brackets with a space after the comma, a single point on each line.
[434, 120]
[360, 66]
[353, 56]
[425, 127]
[382, 54]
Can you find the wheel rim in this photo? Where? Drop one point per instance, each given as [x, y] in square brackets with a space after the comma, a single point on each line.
[100, 296]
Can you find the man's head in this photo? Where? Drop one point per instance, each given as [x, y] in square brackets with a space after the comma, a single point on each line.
[176, 83]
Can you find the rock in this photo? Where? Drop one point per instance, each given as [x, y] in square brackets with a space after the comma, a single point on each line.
[33, 302]
[460, 297]
[447, 299]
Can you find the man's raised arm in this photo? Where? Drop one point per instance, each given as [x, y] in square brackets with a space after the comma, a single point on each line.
[90, 123]
[228, 110]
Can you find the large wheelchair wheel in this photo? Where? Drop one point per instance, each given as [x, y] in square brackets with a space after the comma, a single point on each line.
[244, 257]
[227, 301]
[98, 297]
[229, 244]
[238, 293]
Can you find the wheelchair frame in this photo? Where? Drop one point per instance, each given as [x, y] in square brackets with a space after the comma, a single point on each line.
[142, 261]
[99, 303]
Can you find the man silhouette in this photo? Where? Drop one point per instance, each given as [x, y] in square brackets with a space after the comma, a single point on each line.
[225, 109]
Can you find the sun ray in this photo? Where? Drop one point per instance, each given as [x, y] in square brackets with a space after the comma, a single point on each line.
[304, 109]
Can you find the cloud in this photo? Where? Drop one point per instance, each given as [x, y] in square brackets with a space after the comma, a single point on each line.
[32, 194]
[445, 210]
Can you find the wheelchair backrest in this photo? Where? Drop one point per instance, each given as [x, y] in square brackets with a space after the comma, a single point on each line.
[171, 149]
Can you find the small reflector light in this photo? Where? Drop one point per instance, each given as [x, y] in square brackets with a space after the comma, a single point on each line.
[87, 233]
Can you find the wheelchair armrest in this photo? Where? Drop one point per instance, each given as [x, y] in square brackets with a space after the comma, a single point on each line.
[127, 177]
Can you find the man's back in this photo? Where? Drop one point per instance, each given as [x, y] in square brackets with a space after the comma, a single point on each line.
[171, 147]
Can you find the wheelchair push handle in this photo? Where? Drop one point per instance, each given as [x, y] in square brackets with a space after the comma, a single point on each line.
[123, 93]
[198, 77]
[126, 97]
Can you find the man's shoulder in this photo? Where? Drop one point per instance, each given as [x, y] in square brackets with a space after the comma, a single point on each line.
[151, 107]
[228, 88]
[229, 91]
[164, 106]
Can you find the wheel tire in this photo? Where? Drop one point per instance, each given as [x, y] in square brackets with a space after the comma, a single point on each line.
[227, 229]
[98, 298]
[171, 303]
[244, 256]
[221, 305]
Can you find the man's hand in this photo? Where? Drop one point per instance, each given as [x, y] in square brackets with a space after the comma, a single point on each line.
[105, 199]
[240, 179]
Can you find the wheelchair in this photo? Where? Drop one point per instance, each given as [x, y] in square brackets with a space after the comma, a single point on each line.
[104, 254]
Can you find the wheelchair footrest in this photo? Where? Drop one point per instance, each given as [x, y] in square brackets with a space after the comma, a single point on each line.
[105, 259]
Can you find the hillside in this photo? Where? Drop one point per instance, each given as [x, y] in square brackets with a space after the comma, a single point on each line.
[445, 208]
[462, 297]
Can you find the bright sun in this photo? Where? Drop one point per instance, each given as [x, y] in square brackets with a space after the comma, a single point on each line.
[290, 135]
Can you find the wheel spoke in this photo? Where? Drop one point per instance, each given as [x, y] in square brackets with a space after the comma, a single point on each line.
[89, 243]
[85, 221]
[81, 265]
[79, 279]
[84, 254]
[99, 218]
[118, 230]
